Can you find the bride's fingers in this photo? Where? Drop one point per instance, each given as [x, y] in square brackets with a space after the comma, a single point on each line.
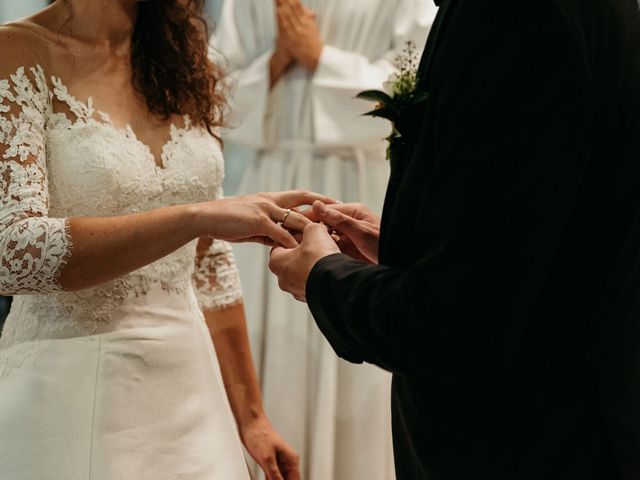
[273, 230]
[297, 198]
[279, 235]
[297, 7]
[271, 469]
[289, 218]
[296, 221]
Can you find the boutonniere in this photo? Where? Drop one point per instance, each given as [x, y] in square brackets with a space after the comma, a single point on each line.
[401, 99]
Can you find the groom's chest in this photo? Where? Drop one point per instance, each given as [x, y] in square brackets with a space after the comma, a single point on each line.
[425, 205]
[413, 207]
[405, 224]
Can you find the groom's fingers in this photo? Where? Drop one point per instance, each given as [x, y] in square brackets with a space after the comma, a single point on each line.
[337, 220]
[318, 236]
[318, 210]
[275, 258]
[312, 214]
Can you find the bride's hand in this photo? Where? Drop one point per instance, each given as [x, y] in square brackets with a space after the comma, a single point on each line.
[257, 218]
[275, 457]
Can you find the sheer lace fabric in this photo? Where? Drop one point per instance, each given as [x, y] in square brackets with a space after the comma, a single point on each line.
[33, 248]
[56, 165]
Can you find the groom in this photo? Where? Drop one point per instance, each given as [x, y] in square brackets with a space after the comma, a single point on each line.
[506, 295]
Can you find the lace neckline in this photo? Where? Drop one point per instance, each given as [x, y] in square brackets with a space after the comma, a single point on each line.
[85, 113]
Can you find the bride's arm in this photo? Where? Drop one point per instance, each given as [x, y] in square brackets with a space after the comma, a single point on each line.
[105, 248]
[39, 253]
[229, 334]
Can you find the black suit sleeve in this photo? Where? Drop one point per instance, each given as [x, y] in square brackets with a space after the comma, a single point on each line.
[508, 132]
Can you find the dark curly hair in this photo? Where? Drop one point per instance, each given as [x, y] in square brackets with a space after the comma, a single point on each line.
[171, 65]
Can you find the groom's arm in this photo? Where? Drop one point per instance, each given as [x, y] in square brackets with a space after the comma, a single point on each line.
[508, 164]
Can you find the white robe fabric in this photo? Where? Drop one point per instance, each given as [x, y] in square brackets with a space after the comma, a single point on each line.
[308, 132]
[14, 9]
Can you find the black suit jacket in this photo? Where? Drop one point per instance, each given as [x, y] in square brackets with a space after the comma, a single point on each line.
[507, 299]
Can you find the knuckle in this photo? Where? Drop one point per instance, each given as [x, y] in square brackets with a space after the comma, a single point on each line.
[311, 227]
[264, 204]
[261, 221]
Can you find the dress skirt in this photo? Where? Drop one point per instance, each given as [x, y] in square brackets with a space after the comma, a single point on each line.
[141, 399]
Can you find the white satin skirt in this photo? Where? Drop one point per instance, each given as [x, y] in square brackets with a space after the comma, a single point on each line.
[142, 401]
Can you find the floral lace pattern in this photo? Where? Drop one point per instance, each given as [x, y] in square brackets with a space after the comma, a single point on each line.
[216, 276]
[33, 248]
[56, 165]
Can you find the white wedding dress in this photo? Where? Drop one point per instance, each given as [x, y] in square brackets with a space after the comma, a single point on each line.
[120, 381]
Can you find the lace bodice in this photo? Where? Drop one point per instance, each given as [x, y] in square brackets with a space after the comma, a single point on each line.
[58, 164]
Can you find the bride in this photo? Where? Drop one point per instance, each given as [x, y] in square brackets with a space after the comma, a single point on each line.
[112, 239]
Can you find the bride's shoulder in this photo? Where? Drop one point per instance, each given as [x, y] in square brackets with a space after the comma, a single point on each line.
[22, 45]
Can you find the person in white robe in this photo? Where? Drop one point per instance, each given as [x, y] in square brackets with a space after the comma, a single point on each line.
[296, 69]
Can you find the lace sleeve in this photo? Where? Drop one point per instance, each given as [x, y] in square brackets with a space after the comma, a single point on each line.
[216, 277]
[33, 247]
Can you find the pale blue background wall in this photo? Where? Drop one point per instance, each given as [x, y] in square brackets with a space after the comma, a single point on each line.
[12, 9]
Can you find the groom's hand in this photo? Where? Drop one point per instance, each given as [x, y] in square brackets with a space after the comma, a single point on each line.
[356, 228]
[293, 266]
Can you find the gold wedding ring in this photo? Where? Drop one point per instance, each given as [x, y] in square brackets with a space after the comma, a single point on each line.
[285, 216]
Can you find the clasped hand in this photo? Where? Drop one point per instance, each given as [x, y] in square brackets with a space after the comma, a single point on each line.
[351, 229]
[299, 38]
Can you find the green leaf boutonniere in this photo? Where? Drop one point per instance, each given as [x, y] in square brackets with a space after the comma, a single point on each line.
[400, 100]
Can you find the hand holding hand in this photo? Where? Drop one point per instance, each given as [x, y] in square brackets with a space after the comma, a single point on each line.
[357, 229]
[277, 460]
[256, 218]
[292, 267]
[299, 33]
